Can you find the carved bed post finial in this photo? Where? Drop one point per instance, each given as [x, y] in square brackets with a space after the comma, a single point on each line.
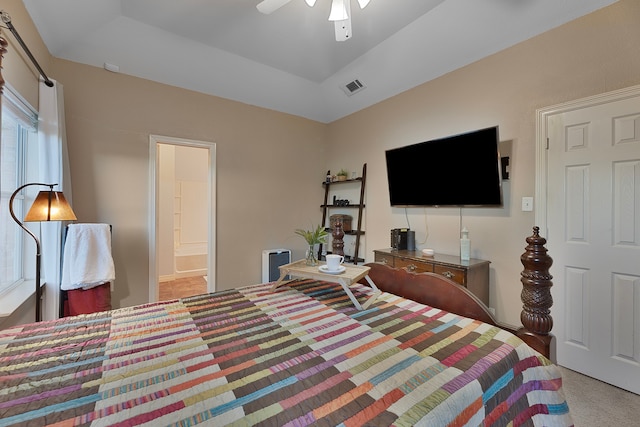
[536, 281]
[3, 50]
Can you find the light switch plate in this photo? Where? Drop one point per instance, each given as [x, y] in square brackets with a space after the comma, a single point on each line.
[527, 204]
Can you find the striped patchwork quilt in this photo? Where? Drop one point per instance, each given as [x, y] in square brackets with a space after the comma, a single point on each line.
[296, 357]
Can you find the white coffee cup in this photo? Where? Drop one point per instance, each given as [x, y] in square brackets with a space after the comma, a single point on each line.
[334, 261]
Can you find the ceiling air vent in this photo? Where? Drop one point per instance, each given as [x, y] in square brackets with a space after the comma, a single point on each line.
[353, 87]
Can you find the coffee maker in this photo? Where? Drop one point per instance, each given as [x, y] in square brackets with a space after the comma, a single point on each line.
[399, 238]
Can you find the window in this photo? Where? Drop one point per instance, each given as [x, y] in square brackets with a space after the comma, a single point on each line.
[18, 133]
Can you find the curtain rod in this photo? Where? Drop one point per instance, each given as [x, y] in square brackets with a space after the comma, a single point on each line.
[7, 20]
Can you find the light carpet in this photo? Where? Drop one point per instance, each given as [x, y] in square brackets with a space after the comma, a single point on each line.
[594, 403]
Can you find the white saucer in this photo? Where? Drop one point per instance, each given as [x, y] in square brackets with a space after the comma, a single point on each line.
[324, 269]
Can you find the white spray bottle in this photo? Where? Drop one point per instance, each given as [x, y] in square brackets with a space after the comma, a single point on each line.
[465, 245]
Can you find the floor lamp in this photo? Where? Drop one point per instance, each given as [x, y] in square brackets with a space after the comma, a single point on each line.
[48, 206]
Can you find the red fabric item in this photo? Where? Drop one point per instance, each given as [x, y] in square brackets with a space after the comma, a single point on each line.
[89, 301]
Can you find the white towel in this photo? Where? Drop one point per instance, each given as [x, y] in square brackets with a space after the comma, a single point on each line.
[87, 260]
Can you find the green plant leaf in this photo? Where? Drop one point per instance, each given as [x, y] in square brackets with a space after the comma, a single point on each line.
[314, 236]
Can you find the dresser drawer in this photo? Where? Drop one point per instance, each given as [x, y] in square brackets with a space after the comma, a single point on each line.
[413, 266]
[455, 274]
[385, 259]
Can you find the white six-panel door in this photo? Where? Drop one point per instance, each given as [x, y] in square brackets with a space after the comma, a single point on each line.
[593, 226]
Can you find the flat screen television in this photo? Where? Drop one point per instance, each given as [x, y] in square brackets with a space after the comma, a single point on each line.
[459, 170]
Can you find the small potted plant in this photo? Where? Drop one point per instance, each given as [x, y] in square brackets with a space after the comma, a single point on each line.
[342, 175]
[313, 237]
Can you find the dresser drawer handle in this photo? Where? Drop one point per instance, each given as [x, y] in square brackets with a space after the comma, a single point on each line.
[412, 267]
[448, 274]
[383, 261]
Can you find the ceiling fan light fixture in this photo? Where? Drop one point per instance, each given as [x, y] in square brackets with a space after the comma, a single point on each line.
[343, 30]
[339, 14]
[338, 11]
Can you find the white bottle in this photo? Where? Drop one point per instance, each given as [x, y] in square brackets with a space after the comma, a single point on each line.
[465, 245]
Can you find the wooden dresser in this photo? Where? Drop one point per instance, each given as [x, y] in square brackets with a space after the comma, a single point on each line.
[472, 274]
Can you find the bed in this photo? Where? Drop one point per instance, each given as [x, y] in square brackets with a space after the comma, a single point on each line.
[301, 355]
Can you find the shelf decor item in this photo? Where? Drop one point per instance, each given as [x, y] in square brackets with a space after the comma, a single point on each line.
[342, 175]
[313, 237]
[338, 233]
[346, 221]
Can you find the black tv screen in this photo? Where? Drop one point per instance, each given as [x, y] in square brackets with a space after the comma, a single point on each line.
[459, 170]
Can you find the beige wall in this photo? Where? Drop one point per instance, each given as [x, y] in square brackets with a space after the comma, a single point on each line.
[595, 54]
[268, 169]
[270, 164]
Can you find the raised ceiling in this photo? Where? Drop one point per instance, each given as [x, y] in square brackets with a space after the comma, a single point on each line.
[289, 61]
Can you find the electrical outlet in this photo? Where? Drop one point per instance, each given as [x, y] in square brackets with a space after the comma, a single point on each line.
[527, 204]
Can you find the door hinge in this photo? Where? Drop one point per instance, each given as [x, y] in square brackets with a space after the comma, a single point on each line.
[547, 143]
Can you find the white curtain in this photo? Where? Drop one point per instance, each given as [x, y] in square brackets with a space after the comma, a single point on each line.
[54, 169]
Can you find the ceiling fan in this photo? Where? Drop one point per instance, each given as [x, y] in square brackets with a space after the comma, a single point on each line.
[340, 13]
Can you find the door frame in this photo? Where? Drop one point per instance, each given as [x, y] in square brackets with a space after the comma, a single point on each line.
[154, 141]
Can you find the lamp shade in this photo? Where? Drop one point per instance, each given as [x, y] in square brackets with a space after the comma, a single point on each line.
[50, 206]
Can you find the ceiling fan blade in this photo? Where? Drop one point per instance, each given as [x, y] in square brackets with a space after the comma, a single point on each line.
[270, 6]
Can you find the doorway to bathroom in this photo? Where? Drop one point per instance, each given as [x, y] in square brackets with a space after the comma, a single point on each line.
[182, 251]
